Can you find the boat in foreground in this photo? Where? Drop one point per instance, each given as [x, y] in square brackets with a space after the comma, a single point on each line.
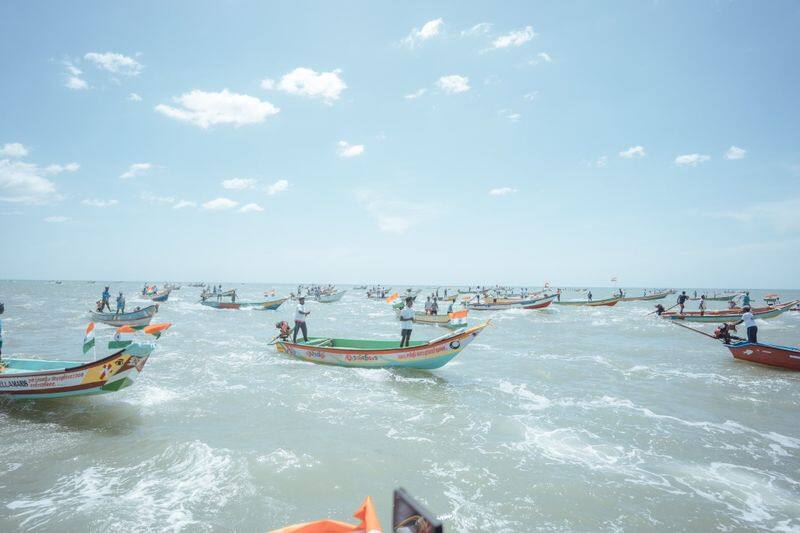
[269, 305]
[38, 378]
[137, 318]
[382, 354]
[766, 354]
[727, 315]
[607, 302]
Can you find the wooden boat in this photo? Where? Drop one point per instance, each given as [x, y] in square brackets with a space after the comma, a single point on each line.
[382, 354]
[499, 304]
[270, 305]
[608, 302]
[360, 287]
[138, 318]
[377, 294]
[772, 299]
[455, 320]
[39, 378]
[727, 315]
[161, 296]
[646, 297]
[766, 354]
[724, 297]
[328, 297]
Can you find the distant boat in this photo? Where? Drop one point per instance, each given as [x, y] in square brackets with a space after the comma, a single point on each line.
[138, 318]
[381, 354]
[727, 315]
[161, 296]
[454, 320]
[327, 297]
[499, 304]
[39, 378]
[646, 297]
[359, 287]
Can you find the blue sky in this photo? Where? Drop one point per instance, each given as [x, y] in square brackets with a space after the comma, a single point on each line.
[442, 142]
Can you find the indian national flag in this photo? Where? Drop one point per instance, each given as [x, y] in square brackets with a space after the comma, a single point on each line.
[88, 339]
[392, 298]
[122, 338]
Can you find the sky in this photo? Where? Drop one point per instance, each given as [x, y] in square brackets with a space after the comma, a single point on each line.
[408, 142]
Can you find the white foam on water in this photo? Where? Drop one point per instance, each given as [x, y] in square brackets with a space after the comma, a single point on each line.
[533, 402]
[283, 459]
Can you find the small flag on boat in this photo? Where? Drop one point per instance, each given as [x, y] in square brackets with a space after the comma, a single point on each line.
[122, 338]
[88, 339]
[157, 329]
[458, 318]
[366, 514]
[392, 298]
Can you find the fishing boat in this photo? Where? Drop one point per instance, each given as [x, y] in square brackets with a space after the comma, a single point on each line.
[379, 295]
[766, 354]
[608, 302]
[161, 296]
[645, 297]
[381, 354]
[270, 305]
[727, 315]
[360, 287]
[328, 297]
[39, 378]
[720, 297]
[499, 304]
[772, 299]
[453, 320]
[136, 318]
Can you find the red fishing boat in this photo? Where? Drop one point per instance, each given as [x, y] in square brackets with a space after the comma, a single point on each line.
[766, 354]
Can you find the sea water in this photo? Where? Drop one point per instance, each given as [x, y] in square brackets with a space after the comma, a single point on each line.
[568, 418]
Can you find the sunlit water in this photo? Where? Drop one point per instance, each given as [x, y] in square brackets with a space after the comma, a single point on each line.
[563, 419]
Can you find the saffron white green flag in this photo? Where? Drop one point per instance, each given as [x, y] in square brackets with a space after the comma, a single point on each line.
[88, 340]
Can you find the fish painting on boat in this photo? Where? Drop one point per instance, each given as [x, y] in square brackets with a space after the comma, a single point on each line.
[380, 353]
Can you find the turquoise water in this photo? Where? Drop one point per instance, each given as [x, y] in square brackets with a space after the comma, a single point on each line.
[578, 419]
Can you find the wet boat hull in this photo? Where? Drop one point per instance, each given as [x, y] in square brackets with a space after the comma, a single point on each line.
[135, 319]
[766, 354]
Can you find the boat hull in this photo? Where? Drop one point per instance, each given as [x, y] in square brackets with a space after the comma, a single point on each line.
[271, 305]
[434, 354]
[28, 379]
[766, 354]
[139, 318]
[161, 296]
[329, 298]
[718, 317]
[538, 303]
[608, 302]
[649, 297]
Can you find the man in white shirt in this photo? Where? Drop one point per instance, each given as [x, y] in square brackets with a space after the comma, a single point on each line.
[750, 323]
[300, 320]
[406, 319]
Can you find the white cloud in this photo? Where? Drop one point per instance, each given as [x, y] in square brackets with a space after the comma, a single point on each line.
[238, 184]
[780, 215]
[251, 208]
[115, 63]
[514, 38]
[97, 202]
[55, 219]
[510, 115]
[632, 152]
[136, 169]
[26, 182]
[74, 80]
[416, 94]
[393, 216]
[453, 84]
[133, 97]
[502, 191]
[350, 150]
[429, 30]
[307, 82]
[13, 150]
[478, 29]
[601, 162]
[691, 160]
[156, 200]
[182, 204]
[531, 96]
[734, 152]
[277, 187]
[206, 109]
[220, 204]
[541, 57]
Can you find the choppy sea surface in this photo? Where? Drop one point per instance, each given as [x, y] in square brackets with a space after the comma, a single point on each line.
[568, 419]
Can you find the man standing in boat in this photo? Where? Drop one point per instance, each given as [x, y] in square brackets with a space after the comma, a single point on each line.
[589, 296]
[702, 305]
[682, 300]
[407, 320]
[104, 298]
[750, 323]
[120, 303]
[300, 320]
